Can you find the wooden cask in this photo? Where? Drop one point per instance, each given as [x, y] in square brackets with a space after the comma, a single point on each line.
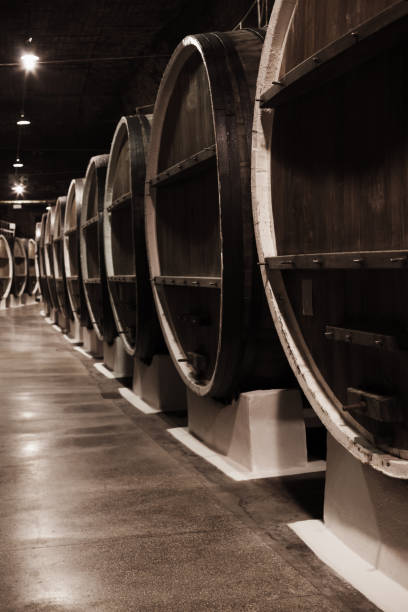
[58, 257]
[6, 267]
[49, 259]
[32, 285]
[92, 250]
[71, 251]
[124, 240]
[20, 267]
[45, 292]
[330, 204]
[201, 249]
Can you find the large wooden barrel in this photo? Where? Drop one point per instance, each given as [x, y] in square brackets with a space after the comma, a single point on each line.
[330, 161]
[49, 259]
[6, 267]
[32, 285]
[20, 267]
[45, 292]
[58, 257]
[71, 251]
[92, 250]
[201, 249]
[124, 240]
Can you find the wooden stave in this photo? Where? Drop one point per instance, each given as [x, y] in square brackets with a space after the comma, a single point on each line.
[5, 289]
[76, 298]
[41, 263]
[19, 275]
[48, 258]
[33, 269]
[58, 257]
[344, 428]
[236, 356]
[101, 317]
[148, 339]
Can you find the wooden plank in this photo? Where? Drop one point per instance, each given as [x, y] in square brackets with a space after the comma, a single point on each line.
[89, 222]
[362, 338]
[178, 170]
[126, 198]
[353, 260]
[357, 45]
[95, 280]
[213, 282]
[382, 408]
[122, 278]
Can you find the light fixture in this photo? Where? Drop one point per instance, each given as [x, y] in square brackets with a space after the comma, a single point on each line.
[29, 61]
[18, 163]
[22, 120]
[18, 188]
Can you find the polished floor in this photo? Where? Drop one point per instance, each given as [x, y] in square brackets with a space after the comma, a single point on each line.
[101, 509]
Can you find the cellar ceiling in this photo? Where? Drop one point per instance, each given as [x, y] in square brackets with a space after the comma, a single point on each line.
[98, 60]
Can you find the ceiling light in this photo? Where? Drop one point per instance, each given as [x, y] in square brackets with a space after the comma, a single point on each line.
[29, 61]
[18, 189]
[18, 163]
[23, 120]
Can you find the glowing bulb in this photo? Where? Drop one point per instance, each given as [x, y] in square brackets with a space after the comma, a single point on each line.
[18, 163]
[29, 61]
[18, 189]
[23, 120]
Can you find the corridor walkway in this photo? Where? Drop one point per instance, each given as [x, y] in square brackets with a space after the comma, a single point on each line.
[100, 509]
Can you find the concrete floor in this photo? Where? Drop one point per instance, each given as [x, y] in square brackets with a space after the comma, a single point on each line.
[100, 509]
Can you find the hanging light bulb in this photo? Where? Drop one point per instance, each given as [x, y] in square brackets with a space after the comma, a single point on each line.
[18, 189]
[29, 59]
[18, 163]
[22, 120]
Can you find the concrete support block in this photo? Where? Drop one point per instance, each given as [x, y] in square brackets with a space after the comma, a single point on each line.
[91, 344]
[116, 359]
[156, 387]
[263, 431]
[74, 331]
[367, 511]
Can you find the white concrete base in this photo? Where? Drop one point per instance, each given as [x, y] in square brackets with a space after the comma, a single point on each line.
[14, 301]
[262, 431]
[83, 352]
[229, 467]
[28, 300]
[156, 386]
[117, 360]
[137, 401]
[368, 511]
[384, 592]
[91, 344]
[53, 317]
[4, 304]
[102, 369]
[74, 332]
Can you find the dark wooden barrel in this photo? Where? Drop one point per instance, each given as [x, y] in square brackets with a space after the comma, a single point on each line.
[49, 259]
[45, 292]
[58, 256]
[201, 249]
[32, 264]
[330, 161]
[20, 267]
[92, 250]
[71, 251]
[6, 267]
[124, 240]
